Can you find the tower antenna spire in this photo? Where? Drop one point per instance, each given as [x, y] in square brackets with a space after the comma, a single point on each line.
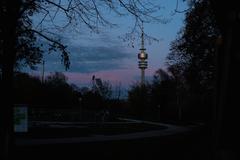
[142, 37]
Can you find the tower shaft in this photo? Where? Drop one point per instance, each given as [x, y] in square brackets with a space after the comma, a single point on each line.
[142, 76]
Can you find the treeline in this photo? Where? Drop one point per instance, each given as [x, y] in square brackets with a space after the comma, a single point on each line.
[54, 91]
[55, 99]
[163, 99]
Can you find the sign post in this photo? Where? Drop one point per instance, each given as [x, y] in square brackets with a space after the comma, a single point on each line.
[20, 118]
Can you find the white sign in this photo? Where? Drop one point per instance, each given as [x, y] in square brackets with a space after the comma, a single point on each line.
[20, 118]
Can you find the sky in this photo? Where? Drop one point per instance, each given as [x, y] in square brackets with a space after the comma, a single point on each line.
[109, 57]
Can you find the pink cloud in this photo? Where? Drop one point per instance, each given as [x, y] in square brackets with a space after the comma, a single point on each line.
[124, 76]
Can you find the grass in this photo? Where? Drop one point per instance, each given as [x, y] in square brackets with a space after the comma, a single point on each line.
[85, 130]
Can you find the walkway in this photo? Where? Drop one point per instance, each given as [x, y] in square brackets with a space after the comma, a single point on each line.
[170, 130]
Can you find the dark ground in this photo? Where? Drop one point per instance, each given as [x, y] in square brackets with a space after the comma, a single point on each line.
[86, 130]
[194, 145]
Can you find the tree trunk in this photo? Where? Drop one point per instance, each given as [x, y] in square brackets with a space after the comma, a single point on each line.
[10, 10]
[227, 98]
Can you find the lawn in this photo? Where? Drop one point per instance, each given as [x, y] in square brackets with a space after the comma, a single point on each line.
[56, 130]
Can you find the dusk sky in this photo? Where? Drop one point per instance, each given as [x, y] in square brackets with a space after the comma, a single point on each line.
[108, 57]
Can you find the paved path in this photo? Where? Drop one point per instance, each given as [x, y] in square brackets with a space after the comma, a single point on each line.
[170, 130]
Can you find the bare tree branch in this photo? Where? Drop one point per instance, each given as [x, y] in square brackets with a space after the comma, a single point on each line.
[42, 19]
[191, 3]
[129, 9]
[56, 43]
[57, 5]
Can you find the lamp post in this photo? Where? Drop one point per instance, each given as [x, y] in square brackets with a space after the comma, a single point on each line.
[142, 56]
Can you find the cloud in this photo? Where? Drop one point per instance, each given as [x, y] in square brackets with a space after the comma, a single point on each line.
[115, 77]
[88, 54]
[87, 59]
[96, 54]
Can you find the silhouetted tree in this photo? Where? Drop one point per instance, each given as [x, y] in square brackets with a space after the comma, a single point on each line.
[156, 100]
[194, 51]
[27, 89]
[55, 92]
[192, 59]
[139, 97]
[58, 93]
[92, 101]
[160, 76]
[103, 88]
[56, 79]
[227, 81]
[164, 95]
[99, 96]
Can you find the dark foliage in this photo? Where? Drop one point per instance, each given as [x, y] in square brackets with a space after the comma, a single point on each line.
[155, 101]
[192, 60]
[139, 98]
[54, 92]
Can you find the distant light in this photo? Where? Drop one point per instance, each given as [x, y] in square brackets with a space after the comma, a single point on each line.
[142, 56]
